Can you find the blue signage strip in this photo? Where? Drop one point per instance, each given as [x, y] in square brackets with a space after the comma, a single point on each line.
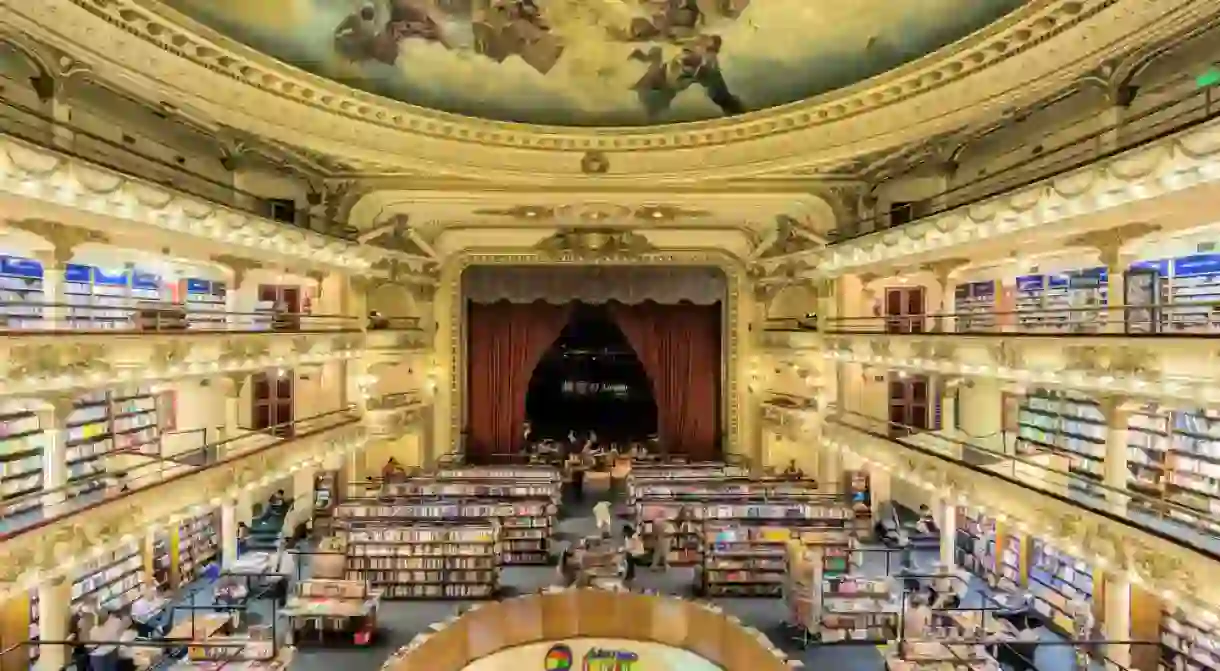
[1057, 281]
[197, 286]
[141, 280]
[114, 279]
[1030, 282]
[19, 267]
[74, 272]
[1200, 264]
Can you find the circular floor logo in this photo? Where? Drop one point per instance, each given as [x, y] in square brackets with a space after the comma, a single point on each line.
[558, 658]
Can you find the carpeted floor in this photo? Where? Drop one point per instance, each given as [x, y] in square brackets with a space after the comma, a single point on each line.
[401, 620]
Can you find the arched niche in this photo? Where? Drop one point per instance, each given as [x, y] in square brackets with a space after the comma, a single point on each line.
[393, 300]
[793, 302]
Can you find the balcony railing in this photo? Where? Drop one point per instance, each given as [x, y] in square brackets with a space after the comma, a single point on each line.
[1188, 527]
[26, 318]
[1182, 319]
[37, 127]
[22, 514]
[1141, 128]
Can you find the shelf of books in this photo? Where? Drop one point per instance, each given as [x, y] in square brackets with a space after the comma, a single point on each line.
[161, 560]
[1069, 425]
[1056, 580]
[198, 545]
[546, 490]
[975, 306]
[1058, 295]
[859, 493]
[109, 423]
[740, 560]
[204, 301]
[516, 473]
[976, 543]
[424, 561]
[21, 290]
[525, 528]
[708, 471]
[21, 444]
[729, 488]
[1188, 643]
[684, 536]
[113, 580]
[859, 609]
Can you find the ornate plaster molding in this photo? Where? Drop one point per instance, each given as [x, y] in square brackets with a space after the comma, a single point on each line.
[1065, 204]
[735, 328]
[52, 178]
[1040, 48]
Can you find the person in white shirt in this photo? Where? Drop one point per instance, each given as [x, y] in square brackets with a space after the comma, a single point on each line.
[104, 657]
[601, 513]
[146, 612]
[916, 619]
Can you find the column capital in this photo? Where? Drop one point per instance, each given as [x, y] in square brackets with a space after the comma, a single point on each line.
[1109, 242]
[233, 384]
[64, 239]
[942, 269]
[239, 265]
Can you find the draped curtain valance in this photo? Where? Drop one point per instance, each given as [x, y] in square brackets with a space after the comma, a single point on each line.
[595, 284]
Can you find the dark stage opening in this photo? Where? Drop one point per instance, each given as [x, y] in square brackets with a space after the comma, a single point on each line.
[591, 379]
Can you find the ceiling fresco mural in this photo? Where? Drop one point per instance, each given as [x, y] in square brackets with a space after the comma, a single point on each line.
[597, 62]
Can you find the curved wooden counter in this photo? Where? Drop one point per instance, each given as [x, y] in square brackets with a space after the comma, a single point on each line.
[588, 613]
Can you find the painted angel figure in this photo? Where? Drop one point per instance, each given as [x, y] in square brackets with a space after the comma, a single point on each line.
[697, 63]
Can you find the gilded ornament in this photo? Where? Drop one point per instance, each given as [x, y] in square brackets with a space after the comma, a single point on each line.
[587, 245]
[170, 353]
[595, 163]
[302, 345]
[1005, 354]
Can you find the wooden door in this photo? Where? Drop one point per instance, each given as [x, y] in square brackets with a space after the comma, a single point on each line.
[904, 309]
[910, 403]
[272, 399]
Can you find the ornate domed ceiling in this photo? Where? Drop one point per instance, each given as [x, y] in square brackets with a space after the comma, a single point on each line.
[597, 62]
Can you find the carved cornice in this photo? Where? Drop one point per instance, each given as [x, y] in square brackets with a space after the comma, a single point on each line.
[594, 245]
[1065, 207]
[1041, 47]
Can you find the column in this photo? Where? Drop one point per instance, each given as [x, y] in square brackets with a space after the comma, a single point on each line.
[302, 497]
[54, 616]
[1117, 452]
[948, 532]
[982, 413]
[1116, 263]
[946, 387]
[53, 418]
[234, 384]
[56, 313]
[228, 534]
[1117, 623]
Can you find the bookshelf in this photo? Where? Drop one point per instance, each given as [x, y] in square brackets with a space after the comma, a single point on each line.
[423, 561]
[707, 471]
[524, 526]
[684, 537]
[21, 452]
[976, 543]
[109, 423]
[162, 561]
[545, 473]
[859, 609]
[975, 305]
[1061, 293]
[204, 301]
[21, 289]
[725, 488]
[482, 488]
[752, 561]
[860, 494]
[1188, 643]
[1056, 580]
[112, 580]
[1068, 425]
[198, 545]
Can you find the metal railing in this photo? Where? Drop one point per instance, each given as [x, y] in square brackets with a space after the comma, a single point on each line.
[39, 128]
[1181, 319]
[1144, 127]
[23, 318]
[1188, 527]
[25, 513]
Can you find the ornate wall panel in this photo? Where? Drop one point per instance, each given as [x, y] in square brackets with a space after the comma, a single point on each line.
[450, 400]
[594, 284]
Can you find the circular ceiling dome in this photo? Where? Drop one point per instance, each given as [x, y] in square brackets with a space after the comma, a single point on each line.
[593, 654]
[596, 62]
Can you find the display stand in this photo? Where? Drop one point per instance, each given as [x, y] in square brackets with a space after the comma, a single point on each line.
[198, 545]
[859, 609]
[803, 589]
[22, 441]
[323, 610]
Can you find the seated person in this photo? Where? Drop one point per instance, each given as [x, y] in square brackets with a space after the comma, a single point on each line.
[792, 472]
[927, 522]
[278, 504]
[1019, 655]
[230, 590]
[393, 471]
[148, 613]
[243, 535]
[377, 321]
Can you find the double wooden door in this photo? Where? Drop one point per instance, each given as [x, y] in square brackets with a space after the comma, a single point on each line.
[273, 402]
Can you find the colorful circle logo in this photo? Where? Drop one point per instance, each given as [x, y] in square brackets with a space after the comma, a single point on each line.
[558, 658]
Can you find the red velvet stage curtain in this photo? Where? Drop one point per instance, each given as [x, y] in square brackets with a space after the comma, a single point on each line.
[506, 342]
[679, 347]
